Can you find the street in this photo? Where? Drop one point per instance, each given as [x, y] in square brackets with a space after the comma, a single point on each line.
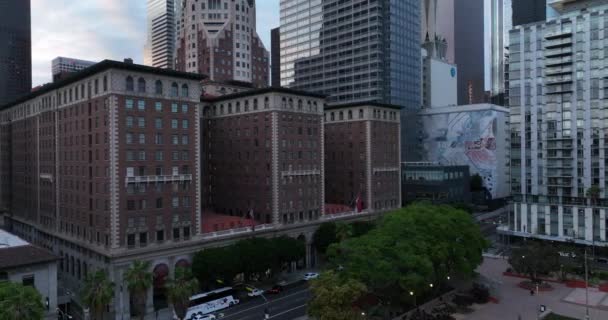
[287, 305]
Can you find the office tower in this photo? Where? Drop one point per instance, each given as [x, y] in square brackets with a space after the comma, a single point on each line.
[275, 53]
[558, 127]
[362, 157]
[219, 39]
[469, 50]
[160, 44]
[500, 22]
[376, 58]
[63, 67]
[529, 11]
[16, 50]
[438, 19]
[265, 156]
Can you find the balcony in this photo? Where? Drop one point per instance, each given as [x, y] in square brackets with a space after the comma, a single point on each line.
[558, 61]
[296, 173]
[560, 52]
[558, 80]
[159, 179]
[558, 43]
[558, 34]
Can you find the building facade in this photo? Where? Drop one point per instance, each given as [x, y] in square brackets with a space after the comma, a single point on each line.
[362, 156]
[355, 51]
[529, 11]
[558, 127]
[437, 19]
[469, 50]
[476, 136]
[219, 39]
[427, 181]
[439, 79]
[160, 42]
[16, 53]
[275, 53]
[63, 67]
[266, 146]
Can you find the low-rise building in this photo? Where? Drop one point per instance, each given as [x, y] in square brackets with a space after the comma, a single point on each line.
[435, 183]
[24, 263]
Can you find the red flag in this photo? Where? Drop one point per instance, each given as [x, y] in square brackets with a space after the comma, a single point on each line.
[359, 203]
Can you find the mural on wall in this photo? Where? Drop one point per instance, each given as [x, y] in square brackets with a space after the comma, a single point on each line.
[465, 138]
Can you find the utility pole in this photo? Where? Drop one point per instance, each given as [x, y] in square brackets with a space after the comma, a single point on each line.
[586, 288]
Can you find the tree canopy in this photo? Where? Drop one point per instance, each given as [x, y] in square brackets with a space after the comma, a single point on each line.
[139, 280]
[20, 302]
[98, 291]
[325, 236]
[535, 259]
[180, 289]
[410, 249]
[333, 298]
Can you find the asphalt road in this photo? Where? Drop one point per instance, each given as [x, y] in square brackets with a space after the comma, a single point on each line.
[287, 305]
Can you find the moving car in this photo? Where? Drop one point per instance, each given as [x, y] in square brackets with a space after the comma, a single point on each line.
[275, 290]
[255, 292]
[200, 316]
[310, 276]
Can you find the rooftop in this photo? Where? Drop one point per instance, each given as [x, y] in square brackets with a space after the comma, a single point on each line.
[16, 252]
[255, 92]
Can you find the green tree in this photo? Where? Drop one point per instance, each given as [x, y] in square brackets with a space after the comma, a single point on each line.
[343, 231]
[325, 236]
[360, 228]
[286, 250]
[97, 293]
[139, 280]
[255, 255]
[216, 264]
[19, 302]
[476, 182]
[534, 260]
[333, 298]
[180, 289]
[410, 249]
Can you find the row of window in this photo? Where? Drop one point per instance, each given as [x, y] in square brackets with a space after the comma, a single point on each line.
[182, 233]
[131, 122]
[141, 204]
[132, 138]
[159, 155]
[158, 106]
[158, 87]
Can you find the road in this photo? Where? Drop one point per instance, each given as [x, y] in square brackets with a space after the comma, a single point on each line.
[287, 305]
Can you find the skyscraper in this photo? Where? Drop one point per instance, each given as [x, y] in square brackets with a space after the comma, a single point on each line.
[500, 22]
[219, 39]
[559, 126]
[160, 44]
[355, 51]
[16, 50]
[63, 67]
[469, 50]
[275, 53]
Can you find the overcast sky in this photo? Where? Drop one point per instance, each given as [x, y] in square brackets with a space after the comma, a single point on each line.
[103, 29]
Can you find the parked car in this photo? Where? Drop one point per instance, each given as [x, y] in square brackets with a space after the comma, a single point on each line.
[200, 316]
[310, 276]
[275, 290]
[602, 260]
[255, 292]
[567, 254]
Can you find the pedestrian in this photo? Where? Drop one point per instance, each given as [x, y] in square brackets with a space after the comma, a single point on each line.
[531, 292]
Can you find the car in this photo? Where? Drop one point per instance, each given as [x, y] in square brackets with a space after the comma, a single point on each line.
[201, 316]
[567, 254]
[255, 292]
[275, 290]
[602, 260]
[310, 276]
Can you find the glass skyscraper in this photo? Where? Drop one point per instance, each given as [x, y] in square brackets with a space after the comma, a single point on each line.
[16, 50]
[355, 51]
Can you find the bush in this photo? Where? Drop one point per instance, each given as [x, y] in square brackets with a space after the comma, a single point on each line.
[481, 294]
[602, 275]
[509, 270]
[463, 300]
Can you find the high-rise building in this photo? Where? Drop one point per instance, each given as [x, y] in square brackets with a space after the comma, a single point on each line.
[275, 54]
[160, 44]
[355, 51]
[558, 127]
[438, 21]
[439, 78]
[16, 50]
[500, 22]
[528, 11]
[469, 50]
[63, 67]
[219, 39]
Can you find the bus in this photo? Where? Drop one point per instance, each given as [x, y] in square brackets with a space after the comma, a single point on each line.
[212, 301]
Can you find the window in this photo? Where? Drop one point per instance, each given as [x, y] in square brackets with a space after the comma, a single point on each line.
[142, 155]
[28, 280]
[174, 107]
[129, 85]
[160, 235]
[175, 139]
[141, 105]
[184, 108]
[131, 240]
[158, 106]
[185, 139]
[158, 155]
[141, 85]
[174, 89]
[184, 124]
[186, 232]
[159, 203]
[129, 122]
[130, 205]
[129, 104]
[176, 233]
[185, 92]
[175, 202]
[141, 122]
[142, 138]
[129, 138]
[105, 85]
[174, 123]
[158, 87]
[158, 123]
[158, 139]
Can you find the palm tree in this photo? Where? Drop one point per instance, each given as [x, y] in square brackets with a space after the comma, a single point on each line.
[97, 293]
[180, 290]
[20, 302]
[593, 194]
[139, 280]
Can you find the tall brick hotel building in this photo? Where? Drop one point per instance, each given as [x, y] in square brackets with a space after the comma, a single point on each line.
[122, 162]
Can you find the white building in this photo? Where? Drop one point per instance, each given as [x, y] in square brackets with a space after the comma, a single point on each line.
[559, 126]
[21, 262]
[160, 41]
[63, 65]
[472, 135]
[439, 82]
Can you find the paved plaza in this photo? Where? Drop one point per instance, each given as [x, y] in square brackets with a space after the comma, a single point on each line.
[515, 302]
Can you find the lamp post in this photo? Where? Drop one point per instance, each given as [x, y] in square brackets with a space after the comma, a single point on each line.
[412, 294]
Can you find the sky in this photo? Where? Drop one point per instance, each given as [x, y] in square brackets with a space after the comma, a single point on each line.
[103, 29]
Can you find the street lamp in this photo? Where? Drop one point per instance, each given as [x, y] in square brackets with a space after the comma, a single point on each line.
[448, 277]
[430, 285]
[412, 294]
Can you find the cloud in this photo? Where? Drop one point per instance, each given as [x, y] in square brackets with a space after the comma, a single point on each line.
[103, 29]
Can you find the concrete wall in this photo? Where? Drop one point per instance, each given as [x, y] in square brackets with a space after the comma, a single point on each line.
[45, 281]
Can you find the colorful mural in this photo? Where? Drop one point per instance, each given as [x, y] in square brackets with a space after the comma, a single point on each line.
[474, 138]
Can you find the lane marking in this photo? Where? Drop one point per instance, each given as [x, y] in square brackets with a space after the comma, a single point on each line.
[286, 311]
[270, 302]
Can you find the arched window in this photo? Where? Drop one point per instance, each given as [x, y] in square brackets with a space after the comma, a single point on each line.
[105, 85]
[246, 105]
[130, 85]
[290, 103]
[158, 87]
[185, 92]
[266, 103]
[360, 113]
[174, 89]
[255, 104]
[300, 105]
[141, 85]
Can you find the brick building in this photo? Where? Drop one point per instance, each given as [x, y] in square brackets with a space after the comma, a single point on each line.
[263, 155]
[219, 38]
[362, 156]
